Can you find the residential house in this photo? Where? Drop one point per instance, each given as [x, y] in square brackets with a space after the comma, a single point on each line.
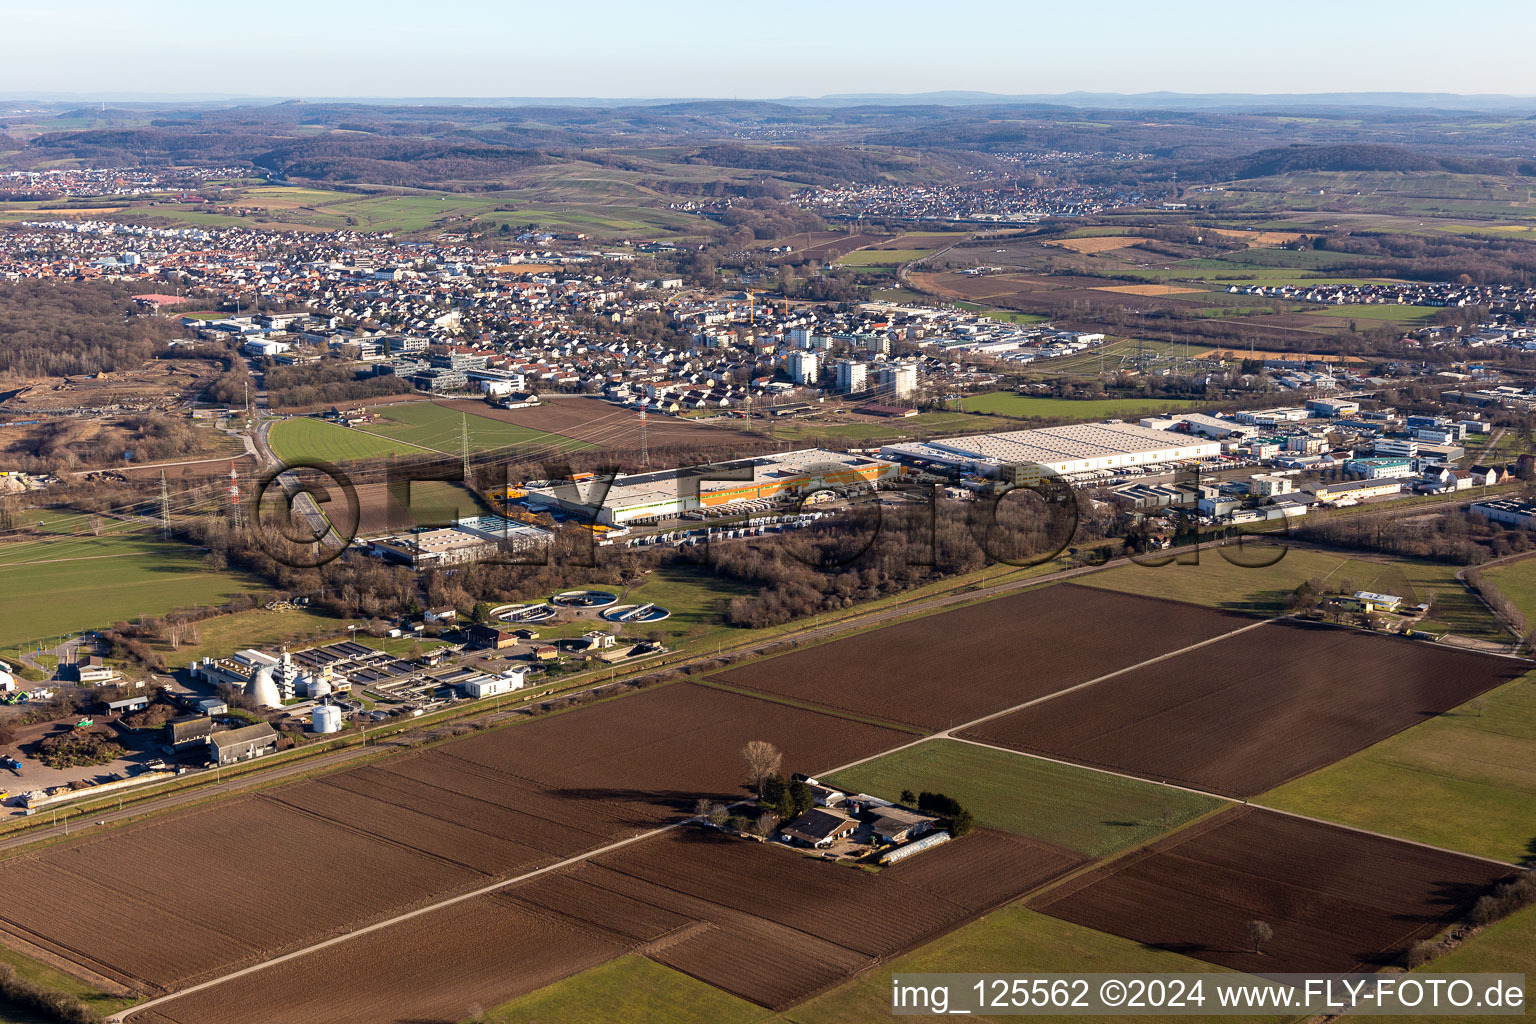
[818, 828]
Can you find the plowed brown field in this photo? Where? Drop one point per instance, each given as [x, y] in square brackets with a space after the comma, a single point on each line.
[1247, 713]
[1337, 900]
[400, 834]
[765, 923]
[942, 670]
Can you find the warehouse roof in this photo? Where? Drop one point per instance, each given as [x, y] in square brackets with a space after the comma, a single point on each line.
[1074, 442]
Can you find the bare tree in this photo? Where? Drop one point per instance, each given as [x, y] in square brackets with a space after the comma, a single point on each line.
[762, 760]
[96, 525]
[1258, 933]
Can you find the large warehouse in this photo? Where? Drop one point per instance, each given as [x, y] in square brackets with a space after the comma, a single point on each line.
[1063, 451]
[672, 492]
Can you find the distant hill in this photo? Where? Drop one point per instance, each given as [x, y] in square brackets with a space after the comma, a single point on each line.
[1348, 157]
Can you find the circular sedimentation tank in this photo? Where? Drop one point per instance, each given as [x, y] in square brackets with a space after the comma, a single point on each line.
[584, 599]
[636, 614]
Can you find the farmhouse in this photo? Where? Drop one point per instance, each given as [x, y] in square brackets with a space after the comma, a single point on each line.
[818, 828]
[1366, 601]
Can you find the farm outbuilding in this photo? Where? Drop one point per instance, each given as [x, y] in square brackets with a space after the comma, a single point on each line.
[229, 746]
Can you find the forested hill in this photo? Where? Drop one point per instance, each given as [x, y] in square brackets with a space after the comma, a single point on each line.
[1360, 157]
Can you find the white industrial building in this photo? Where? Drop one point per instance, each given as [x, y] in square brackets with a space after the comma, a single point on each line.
[478, 686]
[1027, 455]
[1506, 510]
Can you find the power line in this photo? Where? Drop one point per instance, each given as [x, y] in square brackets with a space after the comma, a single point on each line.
[165, 508]
[464, 445]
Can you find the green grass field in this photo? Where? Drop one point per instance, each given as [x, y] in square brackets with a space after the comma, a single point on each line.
[696, 599]
[1086, 811]
[630, 989]
[66, 583]
[881, 257]
[1008, 940]
[1389, 312]
[58, 981]
[1464, 780]
[438, 427]
[1218, 583]
[1006, 403]
[1504, 947]
[306, 437]
[1517, 581]
[218, 636]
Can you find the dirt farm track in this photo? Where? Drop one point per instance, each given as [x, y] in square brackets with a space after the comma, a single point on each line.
[424, 884]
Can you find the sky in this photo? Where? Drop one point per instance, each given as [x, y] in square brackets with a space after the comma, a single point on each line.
[725, 49]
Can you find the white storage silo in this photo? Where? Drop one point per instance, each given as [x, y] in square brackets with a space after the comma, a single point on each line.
[326, 718]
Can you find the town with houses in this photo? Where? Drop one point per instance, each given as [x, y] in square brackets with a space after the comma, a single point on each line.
[676, 589]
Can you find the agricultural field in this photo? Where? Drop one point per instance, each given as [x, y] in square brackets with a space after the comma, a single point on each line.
[944, 670]
[1252, 711]
[426, 825]
[431, 502]
[709, 907]
[1000, 942]
[64, 581]
[483, 951]
[1007, 403]
[592, 422]
[1390, 312]
[1006, 316]
[440, 428]
[1089, 812]
[1336, 900]
[602, 204]
[1471, 774]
